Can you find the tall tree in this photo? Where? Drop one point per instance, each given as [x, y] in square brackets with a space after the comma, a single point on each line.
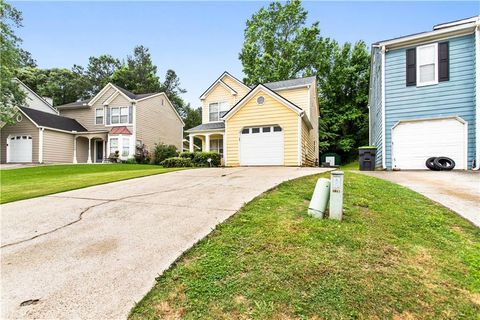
[279, 45]
[99, 72]
[192, 117]
[10, 61]
[26, 59]
[139, 75]
[171, 87]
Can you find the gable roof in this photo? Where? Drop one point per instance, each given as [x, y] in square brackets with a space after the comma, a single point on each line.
[208, 127]
[288, 84]
[35, 94]
[75, 105]
[132, 95]
[270, 92]
[219, 81]
[49, 120]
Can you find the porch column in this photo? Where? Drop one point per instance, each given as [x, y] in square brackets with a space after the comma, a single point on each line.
[89, 159]
[104, 150]
[190, 145]
[74, 149]
[207, 142]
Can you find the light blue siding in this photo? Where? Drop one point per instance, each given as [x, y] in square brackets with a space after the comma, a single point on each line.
[375, 104]
[455, 97]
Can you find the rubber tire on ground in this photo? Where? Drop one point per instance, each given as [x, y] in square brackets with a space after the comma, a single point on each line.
[429, 163]
[444, 163]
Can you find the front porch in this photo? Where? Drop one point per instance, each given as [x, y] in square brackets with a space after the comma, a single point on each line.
[90, 147]
[211, 141]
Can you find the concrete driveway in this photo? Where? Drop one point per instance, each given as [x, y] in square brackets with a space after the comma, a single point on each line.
[92, 253]
[456, 190]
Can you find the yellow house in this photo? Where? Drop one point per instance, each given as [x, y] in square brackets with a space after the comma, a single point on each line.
[270, 124]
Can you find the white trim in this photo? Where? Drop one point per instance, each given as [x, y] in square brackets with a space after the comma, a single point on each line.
[111, 98]
[41, 98]
[36, 125]
[214, 85]
[225, 146]
[40, 144]
[100, 94]
[266, 91]
[8, 149]
[219, 79]
[435, 68]
[383, 110]
[134, 128]
[218, 111]
[477, 96]
[455, 23]
[293, 87]
[95, 116]
[459, 119]
[299, 142]
[119, 123]
[429, 36]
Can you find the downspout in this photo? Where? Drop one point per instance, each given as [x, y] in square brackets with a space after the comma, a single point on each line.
[40, 145]
[477, 95]
[383, 109]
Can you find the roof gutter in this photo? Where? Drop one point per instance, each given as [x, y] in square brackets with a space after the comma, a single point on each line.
[432, 35]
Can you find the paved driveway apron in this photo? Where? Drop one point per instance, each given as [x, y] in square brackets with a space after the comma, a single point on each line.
[92, 253]
[456, 190]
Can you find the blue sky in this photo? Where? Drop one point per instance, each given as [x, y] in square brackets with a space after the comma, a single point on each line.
[199, 40]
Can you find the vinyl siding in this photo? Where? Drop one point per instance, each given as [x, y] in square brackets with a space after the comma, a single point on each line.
[232, 83]
[157, 123]
[299, 97]
[308, 150]
[455, 97]
[218, 94]
[57, 147]
[32, 101]
[86, 116]
[82, 150]
[270, 113]
[24, 127]
[375, 103]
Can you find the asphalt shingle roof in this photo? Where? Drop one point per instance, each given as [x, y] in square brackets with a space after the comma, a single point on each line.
[75, 105]
[284, 84]
[208, 126]
[45, 119]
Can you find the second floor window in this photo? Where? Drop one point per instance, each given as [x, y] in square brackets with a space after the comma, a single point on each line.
[427, 65]
[119, 115]
[216, 110]
[99, 116]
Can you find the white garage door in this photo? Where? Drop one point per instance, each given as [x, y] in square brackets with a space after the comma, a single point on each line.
[19, 149]
[261, 146]
[413, 142]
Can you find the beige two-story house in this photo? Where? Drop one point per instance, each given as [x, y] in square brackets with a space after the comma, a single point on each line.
[90, 131]
[269, 124]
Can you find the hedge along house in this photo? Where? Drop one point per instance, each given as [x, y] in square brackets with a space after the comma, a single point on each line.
[425, 95]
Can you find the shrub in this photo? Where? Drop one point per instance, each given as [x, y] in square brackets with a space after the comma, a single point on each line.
[163, 151]
[176, 162]
[186, 154]
[141, 154]
[114, 157]
[130, 161]
[200, 159]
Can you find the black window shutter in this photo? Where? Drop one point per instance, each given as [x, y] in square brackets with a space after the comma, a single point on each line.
[411, 65]
[130, 114]
[443, 63]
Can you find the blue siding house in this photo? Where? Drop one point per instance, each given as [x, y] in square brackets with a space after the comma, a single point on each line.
[424, 97]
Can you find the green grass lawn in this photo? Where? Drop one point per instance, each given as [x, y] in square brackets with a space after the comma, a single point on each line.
[395, 255]
[24, 183]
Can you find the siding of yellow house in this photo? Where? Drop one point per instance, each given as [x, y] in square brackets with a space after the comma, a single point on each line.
[270, 113]
[218, 94]
[232, 83]
[298, 96]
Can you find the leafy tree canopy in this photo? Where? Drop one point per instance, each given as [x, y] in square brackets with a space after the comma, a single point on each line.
[11, 95]
[278, 45]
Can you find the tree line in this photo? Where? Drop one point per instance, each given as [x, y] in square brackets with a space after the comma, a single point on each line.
[278, 45]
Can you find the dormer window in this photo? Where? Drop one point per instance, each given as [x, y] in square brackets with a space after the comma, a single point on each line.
[216, 110]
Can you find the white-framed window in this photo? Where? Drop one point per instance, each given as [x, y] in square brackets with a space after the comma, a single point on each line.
[427, 60]
[119, 115]
[113, 145]
[99, 116]
[216, 145]
[125, 147]
[216, 110]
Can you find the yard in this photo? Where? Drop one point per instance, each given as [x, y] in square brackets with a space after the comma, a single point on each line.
[25, 183]
[395, 255]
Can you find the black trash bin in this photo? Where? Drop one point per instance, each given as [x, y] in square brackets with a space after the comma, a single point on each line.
[366, 158]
